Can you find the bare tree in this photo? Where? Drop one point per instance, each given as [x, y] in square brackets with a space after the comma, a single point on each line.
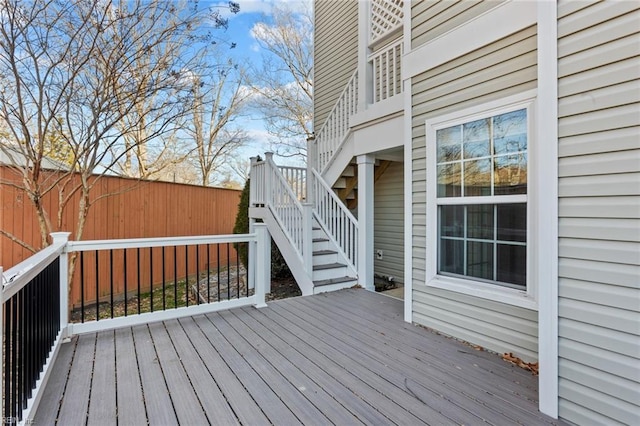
[283, 86]
[217, 100]
[91, 79]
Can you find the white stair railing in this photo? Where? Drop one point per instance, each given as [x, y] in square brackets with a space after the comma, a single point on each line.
[296, 177]
[336, 220]
[336, 127]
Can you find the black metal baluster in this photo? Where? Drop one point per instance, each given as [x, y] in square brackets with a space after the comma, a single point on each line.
[208, 273]
[81, 286]
[164, 276]
[238, 269]
[151, 278]
[111, 280]
[124, 254]
[228, 274]
[25, 334]
[197, 274]
[218, 267]
[97, 288]
[186, 274]
[14, 357]
[7, 358]
[138, 283]
[175, 276]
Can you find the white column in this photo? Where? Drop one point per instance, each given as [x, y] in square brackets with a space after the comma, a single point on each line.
[63, 238]
[365, 221]
[263, 263]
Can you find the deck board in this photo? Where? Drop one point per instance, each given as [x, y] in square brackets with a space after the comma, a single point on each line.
[343, 358]
[158, 403]
[129, 397]
[103, 410]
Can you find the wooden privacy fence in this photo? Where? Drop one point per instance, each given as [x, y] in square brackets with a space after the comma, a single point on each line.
[121, 208]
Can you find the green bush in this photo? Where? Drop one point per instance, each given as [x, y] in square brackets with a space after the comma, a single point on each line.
[279, 268]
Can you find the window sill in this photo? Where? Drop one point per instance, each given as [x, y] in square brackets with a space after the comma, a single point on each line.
[491, 292]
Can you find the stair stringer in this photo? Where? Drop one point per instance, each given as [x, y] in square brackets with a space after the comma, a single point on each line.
[290, 255]
[340, 160]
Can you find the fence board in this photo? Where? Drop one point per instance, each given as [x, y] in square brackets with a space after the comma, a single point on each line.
[135, 209]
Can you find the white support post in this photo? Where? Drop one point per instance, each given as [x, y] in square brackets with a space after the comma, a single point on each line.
[307, 238]
[63, 238]
[263, 263]
[365, 220]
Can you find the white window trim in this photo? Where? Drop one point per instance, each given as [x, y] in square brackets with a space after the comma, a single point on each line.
[525, 299]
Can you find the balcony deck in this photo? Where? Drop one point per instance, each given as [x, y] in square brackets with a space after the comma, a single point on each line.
[343, 358]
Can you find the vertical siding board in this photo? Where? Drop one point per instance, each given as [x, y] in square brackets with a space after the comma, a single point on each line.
[599, 203]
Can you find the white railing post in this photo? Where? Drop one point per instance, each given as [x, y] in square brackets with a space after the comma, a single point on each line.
[307, 238]
[63, 238]
[312, 159]
[252, 181]
[263, 263]
[268, 178]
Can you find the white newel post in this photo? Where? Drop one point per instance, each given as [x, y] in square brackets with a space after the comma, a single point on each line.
[263, 264]
[312, 161]
[268, 178]
[63, 238]
[365, 220]
[251, 257]
[252, 182]
[307, 238]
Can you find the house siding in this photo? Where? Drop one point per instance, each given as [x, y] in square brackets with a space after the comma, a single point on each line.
[431, 19]
[388, 219]
[503, 68]
[599, 212]
[335, 53]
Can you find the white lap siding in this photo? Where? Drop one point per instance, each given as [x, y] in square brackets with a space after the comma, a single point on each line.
[388, 219]
[599, 209]
[500, 69]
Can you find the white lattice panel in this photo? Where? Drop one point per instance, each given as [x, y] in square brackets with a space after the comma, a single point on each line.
[386, 16]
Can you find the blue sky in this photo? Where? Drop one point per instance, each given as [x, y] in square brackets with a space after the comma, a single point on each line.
[248, 51]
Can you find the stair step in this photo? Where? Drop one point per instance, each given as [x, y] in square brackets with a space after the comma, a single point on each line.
[328, 266]
[324, 252]
[331, 281]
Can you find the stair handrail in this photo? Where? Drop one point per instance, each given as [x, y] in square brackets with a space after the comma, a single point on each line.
[335, 219]
[285, 206]
[336, 127]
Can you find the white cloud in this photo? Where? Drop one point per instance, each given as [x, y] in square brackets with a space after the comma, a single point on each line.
[261, 6]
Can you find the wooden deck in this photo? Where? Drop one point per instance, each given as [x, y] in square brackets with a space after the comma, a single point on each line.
[339, 358]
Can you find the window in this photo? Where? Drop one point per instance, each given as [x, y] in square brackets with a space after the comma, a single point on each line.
[478, 199]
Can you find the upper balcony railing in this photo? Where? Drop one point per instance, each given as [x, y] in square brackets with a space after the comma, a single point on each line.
[387, 75]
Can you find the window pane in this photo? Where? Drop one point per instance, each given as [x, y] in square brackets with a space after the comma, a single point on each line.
[512, 222]
[452, 256]
[510, 174]
[449, 144]
[476, 138]
[480, 260]
[477, 177]
[512, 264]
[510, 132]
[449, 184]
[480, 221]
[452, 221]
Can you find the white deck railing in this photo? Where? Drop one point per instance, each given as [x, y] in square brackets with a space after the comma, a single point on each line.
[35, 301]
[336, 220]
[296, 177]
[336, 127]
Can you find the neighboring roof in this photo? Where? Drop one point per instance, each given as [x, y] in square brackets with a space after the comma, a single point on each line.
[10, 155]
